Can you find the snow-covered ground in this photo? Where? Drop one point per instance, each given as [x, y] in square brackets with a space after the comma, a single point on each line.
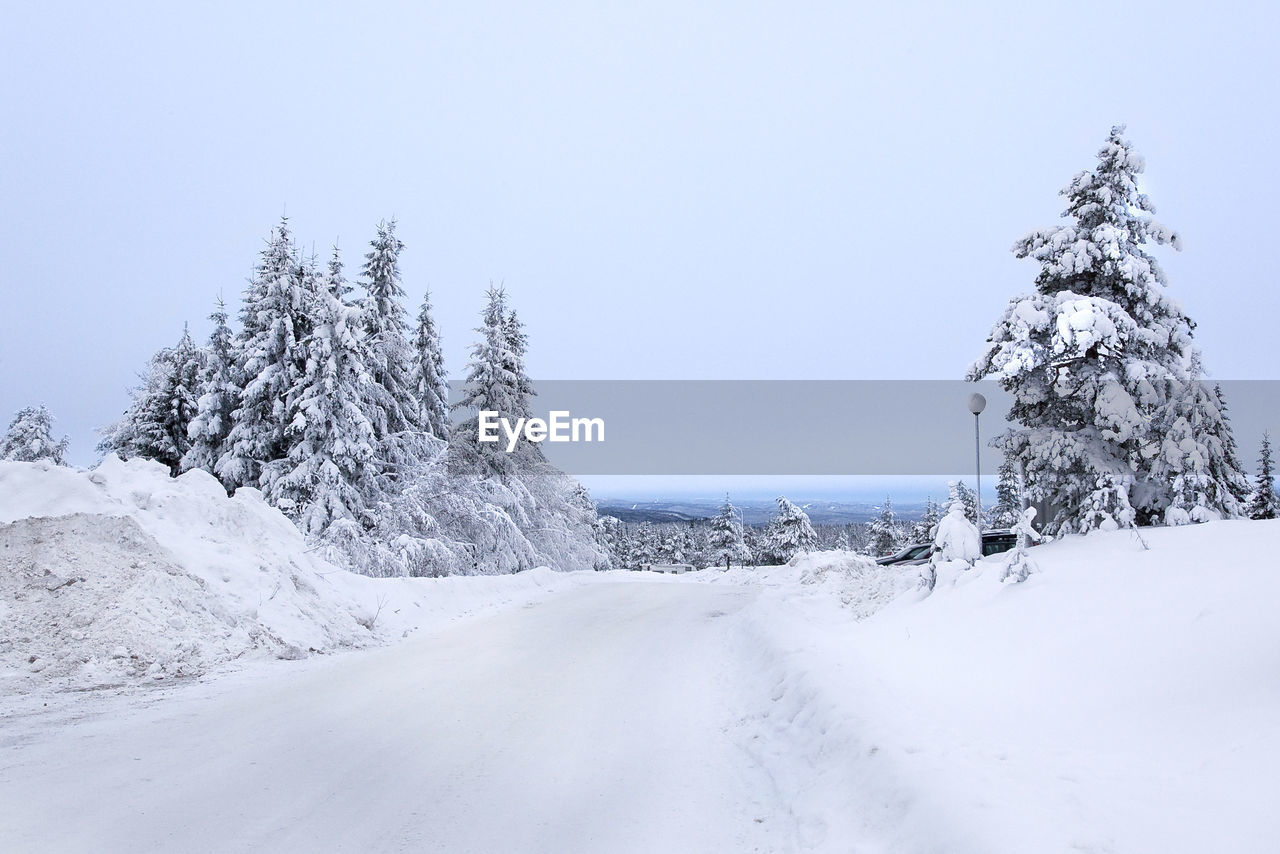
[1126, 698]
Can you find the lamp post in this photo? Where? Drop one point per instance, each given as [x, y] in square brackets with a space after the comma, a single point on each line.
[977, 403]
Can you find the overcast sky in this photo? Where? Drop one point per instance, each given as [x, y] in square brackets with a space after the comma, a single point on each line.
[683, 190]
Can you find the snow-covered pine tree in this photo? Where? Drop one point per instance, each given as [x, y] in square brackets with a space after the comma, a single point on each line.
[923, 529]
[517, 345]
[1264, 503]
[397, 428]
[1097, 355]
[644, 545]
[725, 541]
[30, 439]
[1226, 467]
[884, 535]
[269, 359]
[330, 470]
[155, 425]
[490, 386]
[429, 383]
[1007, 511]
[959, 491]
[790, 532]
[219, 397]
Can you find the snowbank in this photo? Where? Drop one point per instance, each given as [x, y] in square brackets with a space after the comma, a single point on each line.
[1124, 698]
[124, 573]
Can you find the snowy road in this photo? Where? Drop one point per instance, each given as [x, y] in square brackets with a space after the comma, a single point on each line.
[602, 720]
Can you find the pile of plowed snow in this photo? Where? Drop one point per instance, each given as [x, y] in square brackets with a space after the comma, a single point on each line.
[124, 573]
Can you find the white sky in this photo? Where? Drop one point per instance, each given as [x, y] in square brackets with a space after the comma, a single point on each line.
[737, 190]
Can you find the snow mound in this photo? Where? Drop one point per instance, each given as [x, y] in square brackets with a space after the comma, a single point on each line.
[861, 585]
[124, 572]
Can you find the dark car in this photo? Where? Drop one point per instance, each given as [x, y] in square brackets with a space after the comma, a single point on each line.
[993, 543]
[915, 551]
[996, 542]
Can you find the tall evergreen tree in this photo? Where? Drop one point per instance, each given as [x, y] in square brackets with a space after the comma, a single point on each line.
[517, 344]
[387, 326]
[156, 424]
[219, 397]
[1226, 467]
[275, 319]
[491, 385]
[1099, 359]
[30, 439]
[1264, 503]
[330, 471]
[429, 383]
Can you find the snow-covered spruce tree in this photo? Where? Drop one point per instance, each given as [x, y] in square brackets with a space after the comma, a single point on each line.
[517, 345]
[329, 472]
[490, 385]
[923, 529]
[1226, 467]
[958, 490]
[885, 536]
[429, 383]
[269, 359]
[156, 424]
[725, 542]
[1098, 359]
[398, 429]
[1264, 503]
[30, 439]
[790, 532]
[219, 396]
[1007, 511]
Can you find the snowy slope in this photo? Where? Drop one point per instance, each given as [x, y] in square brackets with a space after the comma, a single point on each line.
[1123, 699]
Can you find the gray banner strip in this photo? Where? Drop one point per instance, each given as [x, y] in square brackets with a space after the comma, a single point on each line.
[809, 427]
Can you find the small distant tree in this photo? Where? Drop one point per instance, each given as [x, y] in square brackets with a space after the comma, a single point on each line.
[923, 529]
[30, 439]
[725, 542]
[884, 535]
[1264, 504]
[1007, 511]
[960, 491]
[790, 532]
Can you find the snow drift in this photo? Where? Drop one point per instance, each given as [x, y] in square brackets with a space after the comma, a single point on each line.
[124, 573]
